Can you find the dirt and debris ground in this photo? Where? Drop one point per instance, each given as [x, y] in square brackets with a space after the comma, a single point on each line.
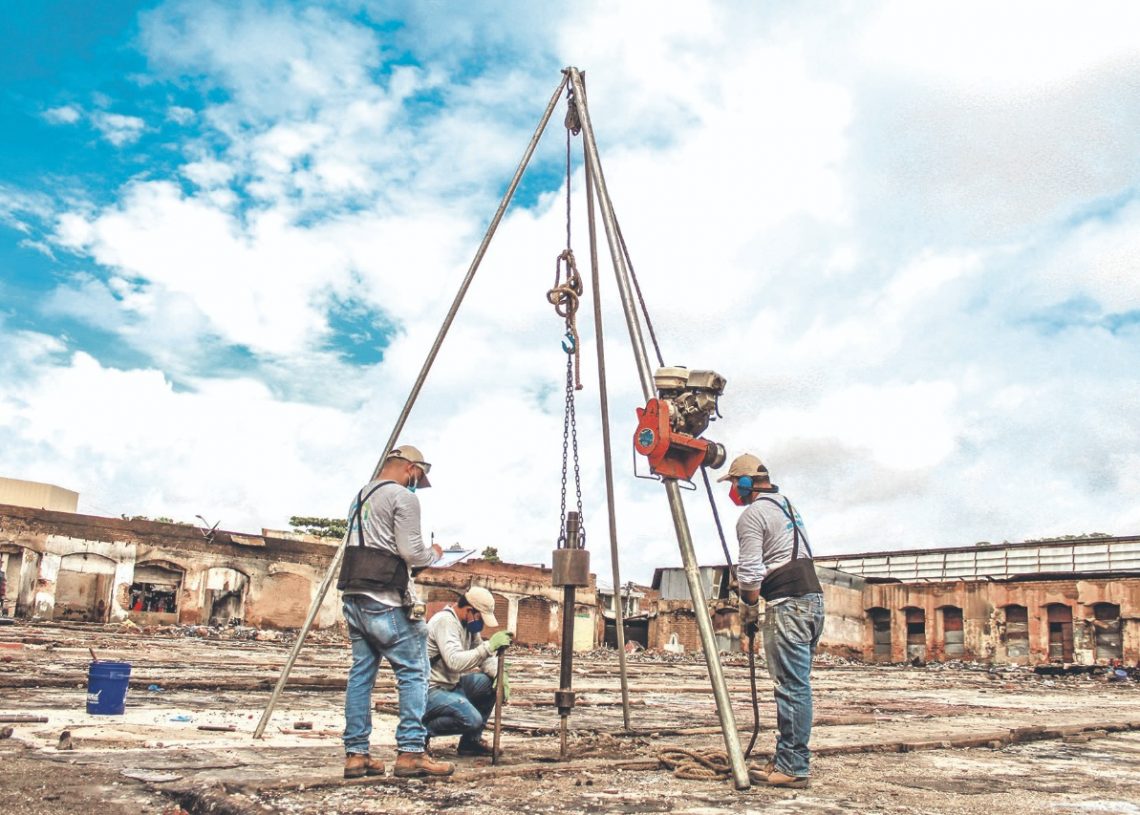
[889, 739]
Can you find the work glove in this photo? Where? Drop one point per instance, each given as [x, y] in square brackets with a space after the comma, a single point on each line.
[500, 639]
[506, 683]
[749, 617]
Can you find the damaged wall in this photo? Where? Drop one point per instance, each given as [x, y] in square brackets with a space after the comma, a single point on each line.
[1084, 621]
[673, 624]
[84, 567]
[69, 566]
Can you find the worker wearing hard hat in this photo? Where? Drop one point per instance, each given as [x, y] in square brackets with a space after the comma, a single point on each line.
[461, 691]
[384, 545]
[775, 563]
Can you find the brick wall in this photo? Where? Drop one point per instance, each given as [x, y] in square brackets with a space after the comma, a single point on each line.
[534, 622]
[680, 621]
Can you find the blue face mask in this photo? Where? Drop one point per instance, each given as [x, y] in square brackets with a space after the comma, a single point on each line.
[413, 484]
[474, 626]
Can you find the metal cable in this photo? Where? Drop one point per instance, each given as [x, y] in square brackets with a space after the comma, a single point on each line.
[716, 517]
[565, 298]
[755, 698]
[640, 297]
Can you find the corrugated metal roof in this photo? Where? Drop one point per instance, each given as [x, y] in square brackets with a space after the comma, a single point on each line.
[1097, 555]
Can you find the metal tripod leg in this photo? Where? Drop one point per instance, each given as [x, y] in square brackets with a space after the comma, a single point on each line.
[323, 589]
[672, 490]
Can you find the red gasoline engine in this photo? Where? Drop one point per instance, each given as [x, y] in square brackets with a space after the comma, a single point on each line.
[669, 427]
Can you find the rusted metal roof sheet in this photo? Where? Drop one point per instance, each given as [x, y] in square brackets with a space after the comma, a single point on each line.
[1094, 556]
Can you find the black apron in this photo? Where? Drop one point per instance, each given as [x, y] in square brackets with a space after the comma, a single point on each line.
[796, 577]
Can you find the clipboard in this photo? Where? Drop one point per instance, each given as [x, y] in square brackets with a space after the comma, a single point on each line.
[451, 557]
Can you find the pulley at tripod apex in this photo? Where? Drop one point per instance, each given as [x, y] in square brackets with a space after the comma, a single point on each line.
[669, 426]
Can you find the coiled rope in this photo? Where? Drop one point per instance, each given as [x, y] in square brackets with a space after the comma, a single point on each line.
[706, 765]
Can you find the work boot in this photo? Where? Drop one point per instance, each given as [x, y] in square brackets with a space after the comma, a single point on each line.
[476, 749]
[781, 779]
[358, 765]
[417, 765]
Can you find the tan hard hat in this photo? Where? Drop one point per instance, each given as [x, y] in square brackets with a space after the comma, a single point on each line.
[482, 601]
[406, 452]
[746, 464]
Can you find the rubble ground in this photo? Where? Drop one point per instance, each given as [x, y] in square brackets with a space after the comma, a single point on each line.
[956, 738]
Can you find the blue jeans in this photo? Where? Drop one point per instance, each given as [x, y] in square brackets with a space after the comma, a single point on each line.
[462, 711]
[379, 631]
[791, 633]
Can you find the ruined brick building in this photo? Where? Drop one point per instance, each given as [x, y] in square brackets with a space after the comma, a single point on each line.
[1060, 601]
[1071, 601]
[67, 566]
[62, 565]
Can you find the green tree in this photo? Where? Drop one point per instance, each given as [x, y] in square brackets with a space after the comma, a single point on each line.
[321, 527]
[491, 555]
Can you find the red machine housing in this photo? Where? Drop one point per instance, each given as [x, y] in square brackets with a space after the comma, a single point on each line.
[671, 454]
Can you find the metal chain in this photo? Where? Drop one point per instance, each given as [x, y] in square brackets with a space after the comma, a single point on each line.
[565, 452]
[564, 298]
[577, 469]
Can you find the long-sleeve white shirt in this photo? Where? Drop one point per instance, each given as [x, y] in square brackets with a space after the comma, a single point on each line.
[766, 540]
[454, 651]
[391, 521]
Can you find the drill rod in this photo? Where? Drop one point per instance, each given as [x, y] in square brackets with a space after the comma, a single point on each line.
[501, 667]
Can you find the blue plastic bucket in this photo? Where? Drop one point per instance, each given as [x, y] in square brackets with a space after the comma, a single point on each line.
[107, 687]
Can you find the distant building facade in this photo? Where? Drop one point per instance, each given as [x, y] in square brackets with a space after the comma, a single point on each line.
[66, 566]
[1071, 601]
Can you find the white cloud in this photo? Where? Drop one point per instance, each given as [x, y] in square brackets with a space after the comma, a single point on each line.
[180, 115]
[841, 214]
[1000, 50]
[118, 129]
[63, 115]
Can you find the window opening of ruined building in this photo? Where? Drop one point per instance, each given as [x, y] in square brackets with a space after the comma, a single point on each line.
[83, 587]
[915, 633]
[9, 581]
[881, 632]
[150, 597]
[1107, 632]
[953, 635]
[635, 631]
[225, 595]
[155, 589]
[1016, 631]
[1060, 620]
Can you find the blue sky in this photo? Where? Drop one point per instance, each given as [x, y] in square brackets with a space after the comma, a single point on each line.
[906, 234]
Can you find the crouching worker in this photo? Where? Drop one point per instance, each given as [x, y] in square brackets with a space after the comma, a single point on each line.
[461, 690]
[384, 545]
